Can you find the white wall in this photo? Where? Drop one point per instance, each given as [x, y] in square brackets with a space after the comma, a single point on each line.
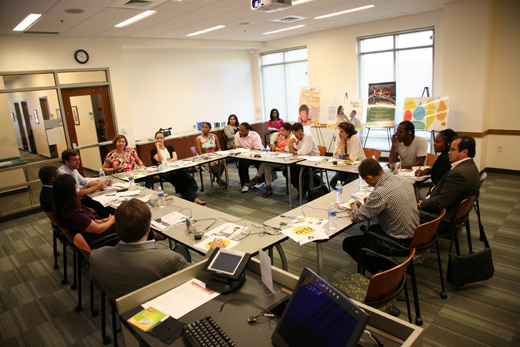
[177, 88]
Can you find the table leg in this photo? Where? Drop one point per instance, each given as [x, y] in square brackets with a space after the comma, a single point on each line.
[227, 178]
[319, 253]
[300, 185]
[289, 184]
[282, 256]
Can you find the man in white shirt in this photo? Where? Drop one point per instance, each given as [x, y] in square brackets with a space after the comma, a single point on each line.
[409, 148]
[249, 139]
[71, 161]
[302, 144]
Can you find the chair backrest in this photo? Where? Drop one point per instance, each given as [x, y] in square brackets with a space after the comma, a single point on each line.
[50, 215]
[82, 246]
[193, 150]
[372, 152]
[463, 209]
[386, 284]
[323, 150]
[430, 159]
[425, 234]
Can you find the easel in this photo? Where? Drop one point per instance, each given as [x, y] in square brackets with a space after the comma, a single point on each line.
[432, 132]
[388, 135]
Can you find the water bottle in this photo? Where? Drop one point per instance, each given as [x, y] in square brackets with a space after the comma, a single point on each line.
[398, 167]
[160, 197]
[339, 191]
[340, 154]
[286, 153]
[332, 213]
[101, 174]
[131, 181]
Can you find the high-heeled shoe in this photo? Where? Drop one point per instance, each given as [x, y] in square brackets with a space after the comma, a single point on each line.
[268, 192]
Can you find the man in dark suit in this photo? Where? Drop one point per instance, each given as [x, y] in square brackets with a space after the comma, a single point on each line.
[47, 175]
[461, 182]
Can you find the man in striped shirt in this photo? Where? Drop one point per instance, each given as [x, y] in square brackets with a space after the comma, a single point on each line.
[392, 203]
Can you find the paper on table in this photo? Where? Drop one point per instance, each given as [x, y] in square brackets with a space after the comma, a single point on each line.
[105, 200]
[168, 220]
[223, 152]
[206, 244]
[305, 233]
[310, 221]
[316, 158]
[128, 193]
[265, 270]
[241, 150]
[121, 185]
[146, 198]
[183, 299]
[228, 230]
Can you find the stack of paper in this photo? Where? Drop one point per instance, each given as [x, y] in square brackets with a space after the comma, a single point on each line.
[306, 229]
[169, 220]
[361, 195]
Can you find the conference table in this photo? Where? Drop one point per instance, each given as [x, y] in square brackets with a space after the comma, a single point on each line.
[273, 158]
[318, 209]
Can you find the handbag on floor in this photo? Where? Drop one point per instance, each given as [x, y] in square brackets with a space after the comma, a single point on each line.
[472, 267]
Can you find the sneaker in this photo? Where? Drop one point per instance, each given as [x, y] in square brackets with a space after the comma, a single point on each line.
[259, 185]
[245, 189]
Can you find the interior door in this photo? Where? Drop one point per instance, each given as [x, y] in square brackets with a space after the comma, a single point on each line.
[44, 106]
[28, 127]
[89, 123]
[21, 126]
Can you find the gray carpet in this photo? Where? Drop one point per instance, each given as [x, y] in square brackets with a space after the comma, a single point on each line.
[36, 309]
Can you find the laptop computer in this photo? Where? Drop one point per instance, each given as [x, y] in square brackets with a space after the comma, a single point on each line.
[318, 314]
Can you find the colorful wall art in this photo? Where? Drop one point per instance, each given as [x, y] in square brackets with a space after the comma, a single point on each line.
[427, 113]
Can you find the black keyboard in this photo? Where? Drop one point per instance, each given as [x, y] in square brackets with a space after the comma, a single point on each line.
[206, 332]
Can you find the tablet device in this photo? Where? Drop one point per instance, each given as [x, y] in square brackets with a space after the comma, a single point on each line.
[227, 263]
[318, 314]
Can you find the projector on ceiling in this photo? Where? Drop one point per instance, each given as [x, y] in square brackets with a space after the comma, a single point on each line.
[270, 5]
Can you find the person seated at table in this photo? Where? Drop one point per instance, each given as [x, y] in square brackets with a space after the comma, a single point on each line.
[135, 261]
[409, 148]
[230, 130]
[393, 203]
[122, 158]
[180, 179]
[47, 175]
[71, 163]
[249, 139]
[349, 146]
[73, 216]
[275, 121]
[442, 165]
[279, 145]
[208, 143]
[301, 143]
[461, 182]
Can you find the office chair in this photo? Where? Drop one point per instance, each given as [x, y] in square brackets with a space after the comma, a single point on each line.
[424, 238]
[431, 159]
[58, 235]
[382, 288]
[372, 152]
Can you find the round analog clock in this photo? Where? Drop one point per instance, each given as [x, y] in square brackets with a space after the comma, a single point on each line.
[81, 56]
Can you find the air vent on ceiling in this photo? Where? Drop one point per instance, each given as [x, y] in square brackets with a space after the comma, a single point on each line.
[137, 4]
[41, 32]
[142, 3]
[288, 19]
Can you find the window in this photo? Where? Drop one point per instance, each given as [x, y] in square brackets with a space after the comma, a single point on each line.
[406, 58]
[283, 73]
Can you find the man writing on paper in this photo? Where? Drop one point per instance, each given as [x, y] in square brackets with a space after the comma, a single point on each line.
[135, 261]
[249, 139]
[392, 203]
[409, 148]
[461, 182]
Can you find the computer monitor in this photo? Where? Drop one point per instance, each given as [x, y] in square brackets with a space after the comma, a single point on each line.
[318, 314]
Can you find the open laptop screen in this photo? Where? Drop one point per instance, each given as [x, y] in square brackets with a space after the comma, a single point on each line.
[318, 314]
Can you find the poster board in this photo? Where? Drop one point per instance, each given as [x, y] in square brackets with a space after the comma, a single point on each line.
[430, 113]
[309, 106]
[381, 105]
[350, 110]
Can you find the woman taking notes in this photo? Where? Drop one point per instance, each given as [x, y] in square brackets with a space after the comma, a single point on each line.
[122, 158]
[180, 178]
[349, 146]
[282, 140]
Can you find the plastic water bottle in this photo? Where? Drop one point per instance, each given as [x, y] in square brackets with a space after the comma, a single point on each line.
[398, 167]
[160, 197]
[101, 174]
[131, 181]
[332, 213]
[286, 153]
[339, 192]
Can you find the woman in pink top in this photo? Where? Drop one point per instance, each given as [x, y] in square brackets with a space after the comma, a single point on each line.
[275, 121]
[282, 140]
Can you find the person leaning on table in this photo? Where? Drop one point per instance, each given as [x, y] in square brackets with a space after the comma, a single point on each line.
[349, 145]
[409, 148]
[180, 178]
[135, 261]
[393, 203]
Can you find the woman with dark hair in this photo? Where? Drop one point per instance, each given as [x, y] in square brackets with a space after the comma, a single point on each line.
[74, 217]
[122, 158]
[275, 120]
[442, 165]
[208, 143]
[349, 146]
[230, 130]
[180, 179]
[282, 141]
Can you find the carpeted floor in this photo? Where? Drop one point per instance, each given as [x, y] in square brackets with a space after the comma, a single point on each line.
[37, 310]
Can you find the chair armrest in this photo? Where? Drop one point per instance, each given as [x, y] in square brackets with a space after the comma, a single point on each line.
[106, 240]
[406, 250]
[363, 252]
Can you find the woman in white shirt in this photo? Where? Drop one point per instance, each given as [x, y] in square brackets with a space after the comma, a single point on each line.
[349, 147]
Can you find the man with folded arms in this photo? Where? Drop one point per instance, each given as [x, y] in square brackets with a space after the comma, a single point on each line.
[409, 148]
[461, 182]
[249, 139]
[392, 203]
[135, 261]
